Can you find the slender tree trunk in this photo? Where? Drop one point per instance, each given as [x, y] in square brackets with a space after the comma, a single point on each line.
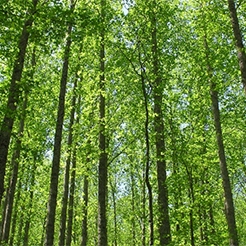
[71, 200]
[67, 170]
[239, 41]
[19, 237]
[30, 203]
[133, 208]
[12, 184]
[113, 191]
[229, 206]
[13, 97]
[15, 213]
[163, 220]
[174, 141]
[192, 200]
[50, 223]
[143, 217]
[85, 212]
[103, 158]
[72, 187]
[147, 154]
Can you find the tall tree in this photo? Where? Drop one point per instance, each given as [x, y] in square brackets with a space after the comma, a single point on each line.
[50, 223]
[229, 205]
[147, 165]
[158, 85]
[103, 156]
[14, 94]
[6, 221]
[67, 169]
[239, 41]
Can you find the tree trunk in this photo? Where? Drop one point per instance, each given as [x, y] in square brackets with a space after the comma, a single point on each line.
[239, 41]
[103, 158]
[113, 192]
[67, 170]
[229, 206]
[85, 212]
[147, 155]
[15, 212]
[192, 200]
[50, 223]
[143, 217]
[71, 200]
[13, 97]
[72, 186]
[30, 203]
[163, 220]
[12, 184]
[133, 208]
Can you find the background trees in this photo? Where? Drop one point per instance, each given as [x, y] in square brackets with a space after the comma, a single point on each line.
[134, 62]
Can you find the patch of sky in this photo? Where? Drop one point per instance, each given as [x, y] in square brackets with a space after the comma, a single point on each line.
[126, 5]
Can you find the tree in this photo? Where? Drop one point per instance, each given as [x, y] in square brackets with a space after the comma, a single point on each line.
[14, 94]
[239, 41]
[50, 223]
[103, 156]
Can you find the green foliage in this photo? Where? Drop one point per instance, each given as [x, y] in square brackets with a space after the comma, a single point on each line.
[193, 174]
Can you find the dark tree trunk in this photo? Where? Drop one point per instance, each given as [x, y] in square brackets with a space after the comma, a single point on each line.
[72, 186]
[15, 213]
[239, 41]
[229, 206]
[19, 237]
[71, 200]
[133, 208]
[67, 170]
[113, 192]
[103, 158]
[50, 223]
[13, 97]
[30, 203]
[192, 200]
[163, 220]
[147, 155]
[143, 215]
[85, 212]
[12, 184]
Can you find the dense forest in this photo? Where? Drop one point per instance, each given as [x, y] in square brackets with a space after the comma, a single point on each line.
[122, 122]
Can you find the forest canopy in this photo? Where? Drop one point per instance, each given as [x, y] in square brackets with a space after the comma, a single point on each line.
[122, 122]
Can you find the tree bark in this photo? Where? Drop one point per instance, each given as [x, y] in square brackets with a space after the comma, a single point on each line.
[133, 208]
[13, 180]
[147, 156]
[67, 170]
[85, 212]
[103, 158]
[15, 212]
[163, 220]
[30, 202]
[239, 41]
[50, 222]
[229, 206]
[71, 200]
[13, 96]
